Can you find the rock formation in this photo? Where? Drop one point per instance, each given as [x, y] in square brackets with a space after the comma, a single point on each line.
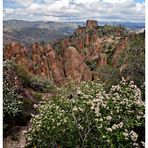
[75, 67]
[85, 46]
[91, 24]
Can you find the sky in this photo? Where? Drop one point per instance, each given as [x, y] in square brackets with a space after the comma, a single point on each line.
[75, 10]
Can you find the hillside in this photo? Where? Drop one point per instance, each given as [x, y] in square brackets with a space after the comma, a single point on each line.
[98, 72]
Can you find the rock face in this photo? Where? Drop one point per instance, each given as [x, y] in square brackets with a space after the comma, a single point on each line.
[75, 67]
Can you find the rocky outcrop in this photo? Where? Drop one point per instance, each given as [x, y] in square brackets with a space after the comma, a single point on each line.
[118, 50]
[80, 30]
[91, 24]
[56, 67]
[65, 43]
[75, 68]
[17, 52]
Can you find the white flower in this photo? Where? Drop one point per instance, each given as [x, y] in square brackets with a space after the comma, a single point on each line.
[35, 105]
[75, 109]
[103, 136]
[101, 120]
[133, 136]
[125, 134]
[97, 119]
[114, 127]
[135, 144]
[92, 107]
[109, 129]
[80, 127]
[24, 132]
[81, 109]
[109, 118]
[120, 125]
[100, 126]
[126, 130]
[104, 105]
[79, 92]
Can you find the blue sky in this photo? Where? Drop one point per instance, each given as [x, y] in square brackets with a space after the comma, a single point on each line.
[141, 1]
[75, 10]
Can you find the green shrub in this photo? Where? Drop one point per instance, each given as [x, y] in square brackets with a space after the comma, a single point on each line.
[92, 65]
[35, 82]
[39, 84]
[87, 116]
[108, 75]
[133, 57]
[23, 74]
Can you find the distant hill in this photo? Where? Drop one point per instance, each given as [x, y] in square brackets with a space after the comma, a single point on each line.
[29, 32]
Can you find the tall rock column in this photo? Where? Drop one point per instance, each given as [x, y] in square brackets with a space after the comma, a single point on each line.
[75, 67]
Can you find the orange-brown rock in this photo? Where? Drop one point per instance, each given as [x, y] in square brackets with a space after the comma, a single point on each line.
[47, 48]
[46, 66]
[91, 24]
[37, 49]
[17, 51]
[98, 44]
[79, 30]
[87, 40]
[55, 67]
[75, 68]
[65, 43]
[118, 50]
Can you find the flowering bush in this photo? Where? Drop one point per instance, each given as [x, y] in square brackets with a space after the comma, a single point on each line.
[87, 116]
[12, 103]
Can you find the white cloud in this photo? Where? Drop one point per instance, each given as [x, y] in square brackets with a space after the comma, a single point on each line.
[65, 10]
